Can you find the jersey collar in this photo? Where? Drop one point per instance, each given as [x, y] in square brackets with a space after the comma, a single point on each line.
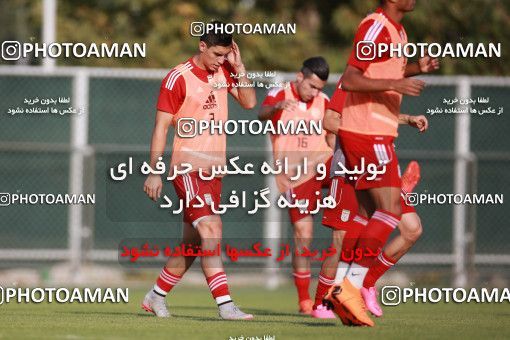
[200, 73]
[298, 98]
[396, 24]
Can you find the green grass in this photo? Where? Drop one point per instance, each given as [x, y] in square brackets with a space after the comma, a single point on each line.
[195, 317]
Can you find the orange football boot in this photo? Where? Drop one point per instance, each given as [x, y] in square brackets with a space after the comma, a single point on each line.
[411, 177]
[348, 304]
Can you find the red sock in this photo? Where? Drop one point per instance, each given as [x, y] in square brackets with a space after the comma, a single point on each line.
[322, 288]
[381, 265]
[375, 235]
[219, 288]
[165, 282]
[352, 234]
[302, 283]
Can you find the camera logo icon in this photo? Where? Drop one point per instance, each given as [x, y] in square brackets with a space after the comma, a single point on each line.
[391, 295]
[366, 50]
[197, 28]
[11, 50]
[186, 127]
[411, 199]
[5, 199]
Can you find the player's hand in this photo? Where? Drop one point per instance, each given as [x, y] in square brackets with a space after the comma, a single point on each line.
[408, 86]
[234, 58]
[289, 105]
[428, 64]
[153, 186]
[420, 122]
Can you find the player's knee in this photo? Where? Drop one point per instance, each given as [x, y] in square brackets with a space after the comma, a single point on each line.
[304, 235]
[303, 230]
[412, 230]
[209, 229]
[338, 239]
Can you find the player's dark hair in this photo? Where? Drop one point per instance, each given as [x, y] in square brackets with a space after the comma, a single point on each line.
[316, 65]
[216, 37]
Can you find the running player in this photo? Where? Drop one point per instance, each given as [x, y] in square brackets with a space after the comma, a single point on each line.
[302, 100]
[367, 130]
[346, 225]
[191, 90]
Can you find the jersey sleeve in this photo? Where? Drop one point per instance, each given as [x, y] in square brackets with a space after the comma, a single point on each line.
[369, 33]
[273, 97]
[338, 99]
[172, 92]
[228, 70]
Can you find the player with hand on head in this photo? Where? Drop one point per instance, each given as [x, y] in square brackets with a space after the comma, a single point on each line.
[301, 100]
[191, 91]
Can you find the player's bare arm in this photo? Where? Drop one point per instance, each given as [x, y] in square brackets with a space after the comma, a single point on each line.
[354, 80]
[331, 121]
[267, 111]
[153, 184]
[423, 65]
[331, 140]
[244, 94]
[420, 122]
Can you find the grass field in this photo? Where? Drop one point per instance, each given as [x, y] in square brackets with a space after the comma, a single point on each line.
[195, 317]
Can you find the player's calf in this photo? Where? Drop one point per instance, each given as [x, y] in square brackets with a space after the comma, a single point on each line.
[410, 228]
[303, 233]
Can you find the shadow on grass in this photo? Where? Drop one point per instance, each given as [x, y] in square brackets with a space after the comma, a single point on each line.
[256, 312]
[266, 322]
[102, 313]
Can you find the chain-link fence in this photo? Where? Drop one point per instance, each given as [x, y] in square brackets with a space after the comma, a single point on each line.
[62, 151]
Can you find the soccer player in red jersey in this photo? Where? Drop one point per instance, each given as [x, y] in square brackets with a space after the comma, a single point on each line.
[368, 127]
[302, 100]
[191, 91]
[347, 225]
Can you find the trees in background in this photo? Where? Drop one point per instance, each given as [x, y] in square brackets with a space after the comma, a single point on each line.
[323, 28]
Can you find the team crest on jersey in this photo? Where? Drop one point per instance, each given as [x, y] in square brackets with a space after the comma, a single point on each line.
[303, 202]
[210, 103]
[345, 215]
[208, 199]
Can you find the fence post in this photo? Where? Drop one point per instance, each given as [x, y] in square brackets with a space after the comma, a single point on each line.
[49, 29]
[471, 224]
[462, 154]
[272, 227]
[79, 149]
[88, 218]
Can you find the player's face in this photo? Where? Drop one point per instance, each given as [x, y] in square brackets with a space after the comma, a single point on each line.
[309, 87]
[406, 5]
[213, 57]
